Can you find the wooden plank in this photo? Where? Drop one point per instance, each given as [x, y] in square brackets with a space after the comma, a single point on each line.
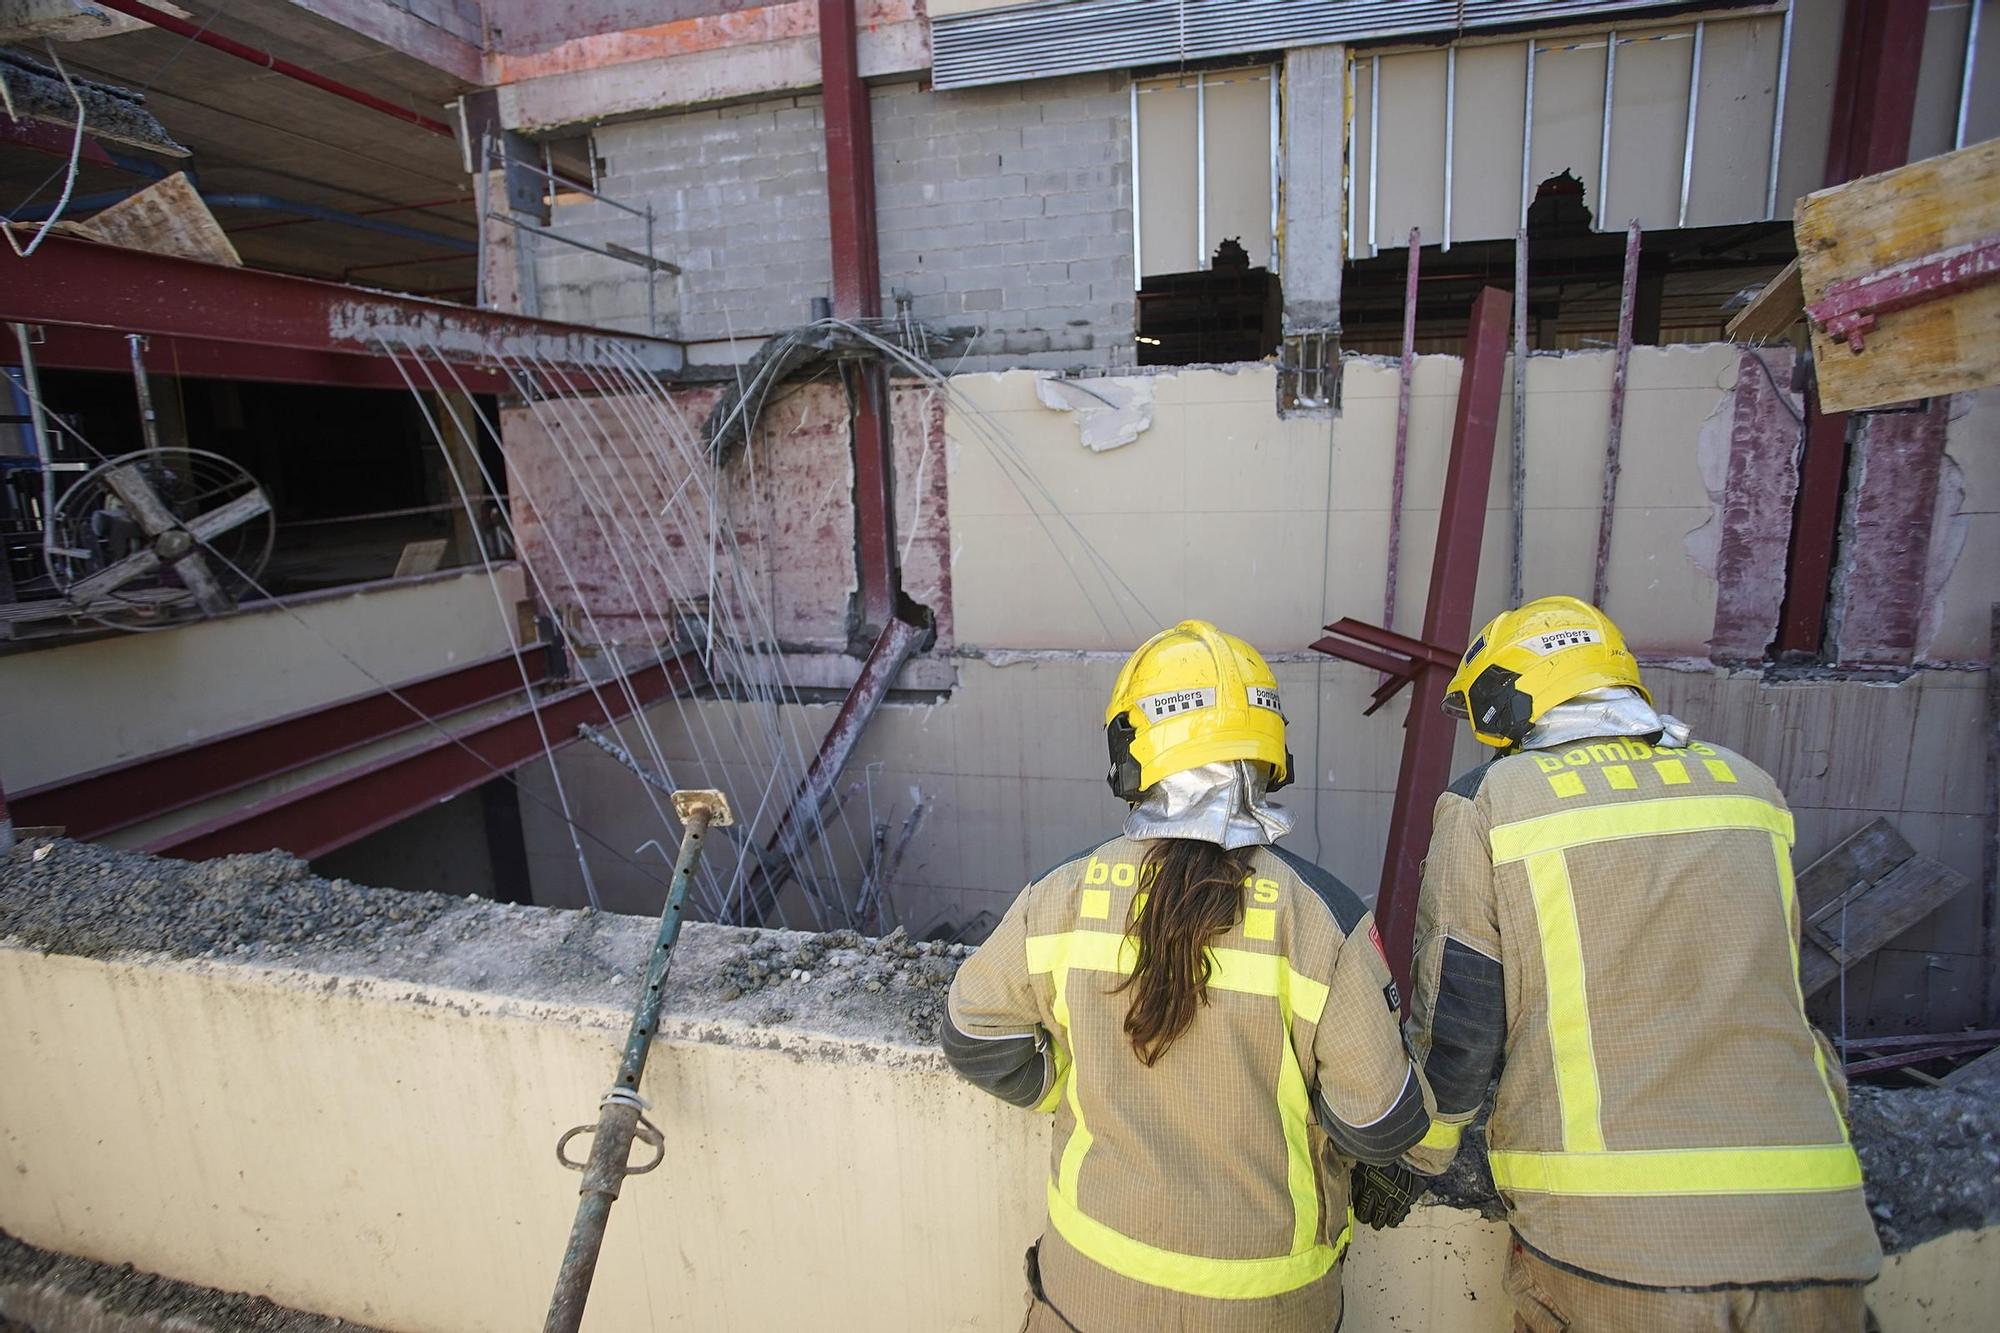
[1895, 902]
[1850, 231]
[1982, 1075]
[166, 218]
[1780, 305]
[1861, 858]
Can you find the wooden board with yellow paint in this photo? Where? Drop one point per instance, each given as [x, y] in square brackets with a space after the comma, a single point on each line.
[1948, 345]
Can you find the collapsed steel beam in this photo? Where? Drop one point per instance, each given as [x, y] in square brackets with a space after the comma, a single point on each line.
[906, 634]
[93, 804]
[80, 284]
[329, 814]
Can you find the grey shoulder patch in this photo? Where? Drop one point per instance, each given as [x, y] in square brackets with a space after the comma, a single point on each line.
[1468, 783]
[1072, 859]
[1346, 906]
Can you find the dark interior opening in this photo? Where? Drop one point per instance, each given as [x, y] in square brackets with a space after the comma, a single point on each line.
[355, 477]
[1226, 312]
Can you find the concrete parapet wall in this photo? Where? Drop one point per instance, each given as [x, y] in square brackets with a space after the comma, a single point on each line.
[347, 1138]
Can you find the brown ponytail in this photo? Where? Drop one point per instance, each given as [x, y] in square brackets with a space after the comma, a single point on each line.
[1194, 891]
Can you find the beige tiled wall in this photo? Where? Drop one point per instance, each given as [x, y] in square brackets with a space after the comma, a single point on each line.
[1274, 525]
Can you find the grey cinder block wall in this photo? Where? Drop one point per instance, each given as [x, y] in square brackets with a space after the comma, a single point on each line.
[1004, 209]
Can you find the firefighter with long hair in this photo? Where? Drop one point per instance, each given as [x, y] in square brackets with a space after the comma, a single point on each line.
[1209, 1019]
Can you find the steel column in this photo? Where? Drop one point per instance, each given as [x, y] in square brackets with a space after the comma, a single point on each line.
[1875, 92]
[1428, 731]
[334, 811]
[1408, 372]
[850, 166]
[1614, 435]
[93, 804]
[857, 295]
[1874, 102]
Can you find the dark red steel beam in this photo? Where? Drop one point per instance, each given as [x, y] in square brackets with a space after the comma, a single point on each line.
[78, 283]
[857, 295]
[1815, 529]
[1390, 641]
[326, 815]
[1429, 732]
[850, 166]
[1874, 102]
[200, 32]
[1398, 669]
[69, 348]
[122, 795]
[1875, 87]
[47, 137]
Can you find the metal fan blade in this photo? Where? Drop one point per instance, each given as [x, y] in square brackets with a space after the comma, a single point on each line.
[194, 572]
[112, 577]
[130, 485]
[207, 527]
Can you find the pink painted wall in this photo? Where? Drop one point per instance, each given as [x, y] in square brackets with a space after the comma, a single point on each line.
[607, 519]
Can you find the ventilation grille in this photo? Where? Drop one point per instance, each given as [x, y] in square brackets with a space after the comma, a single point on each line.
[1056, 37]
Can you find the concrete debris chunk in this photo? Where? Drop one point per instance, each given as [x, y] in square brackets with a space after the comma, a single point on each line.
[1110, 413]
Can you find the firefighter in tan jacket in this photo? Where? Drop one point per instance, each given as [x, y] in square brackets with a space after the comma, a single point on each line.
[1210, 1020]
[1610, 903]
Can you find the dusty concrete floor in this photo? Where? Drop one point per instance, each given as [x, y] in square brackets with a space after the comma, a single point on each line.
[1932, 1156]
[42, 1292]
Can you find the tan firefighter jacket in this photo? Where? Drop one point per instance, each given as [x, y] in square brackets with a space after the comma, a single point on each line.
[1209, 1191]
[1621, 920]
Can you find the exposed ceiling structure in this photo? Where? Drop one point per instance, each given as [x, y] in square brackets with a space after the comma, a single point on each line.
[255, 132]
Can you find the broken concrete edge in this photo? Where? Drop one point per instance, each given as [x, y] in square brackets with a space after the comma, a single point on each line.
[834, 998]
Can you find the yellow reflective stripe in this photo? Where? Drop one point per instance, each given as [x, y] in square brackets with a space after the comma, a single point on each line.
[1079, 1135]
[1196, 1275]
[1569, 1003]
[1233, 969]
[1636, 819]
[1787, 897]
[1053, 1097]
[1810, 1169]
[1295, 1113]
[1441, 1135]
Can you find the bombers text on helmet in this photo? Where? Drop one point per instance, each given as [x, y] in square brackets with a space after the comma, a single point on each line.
[1192, 695]
[1528, 660]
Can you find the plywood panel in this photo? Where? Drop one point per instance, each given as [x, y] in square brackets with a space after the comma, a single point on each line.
[1569, 115]
[1412, 139]
[1944, 346]
[1239, 161]
[1486, 168]
[1167, 112]
[1739, 93]
[1649, 129]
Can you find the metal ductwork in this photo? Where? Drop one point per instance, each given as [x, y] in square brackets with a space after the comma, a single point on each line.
[1057, 37]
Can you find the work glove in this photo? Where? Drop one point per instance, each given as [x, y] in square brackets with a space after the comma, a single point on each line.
[1383, 1194]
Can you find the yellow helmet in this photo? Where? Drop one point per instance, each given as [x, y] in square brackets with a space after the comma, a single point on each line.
[1193, 695]
[1528, 660]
